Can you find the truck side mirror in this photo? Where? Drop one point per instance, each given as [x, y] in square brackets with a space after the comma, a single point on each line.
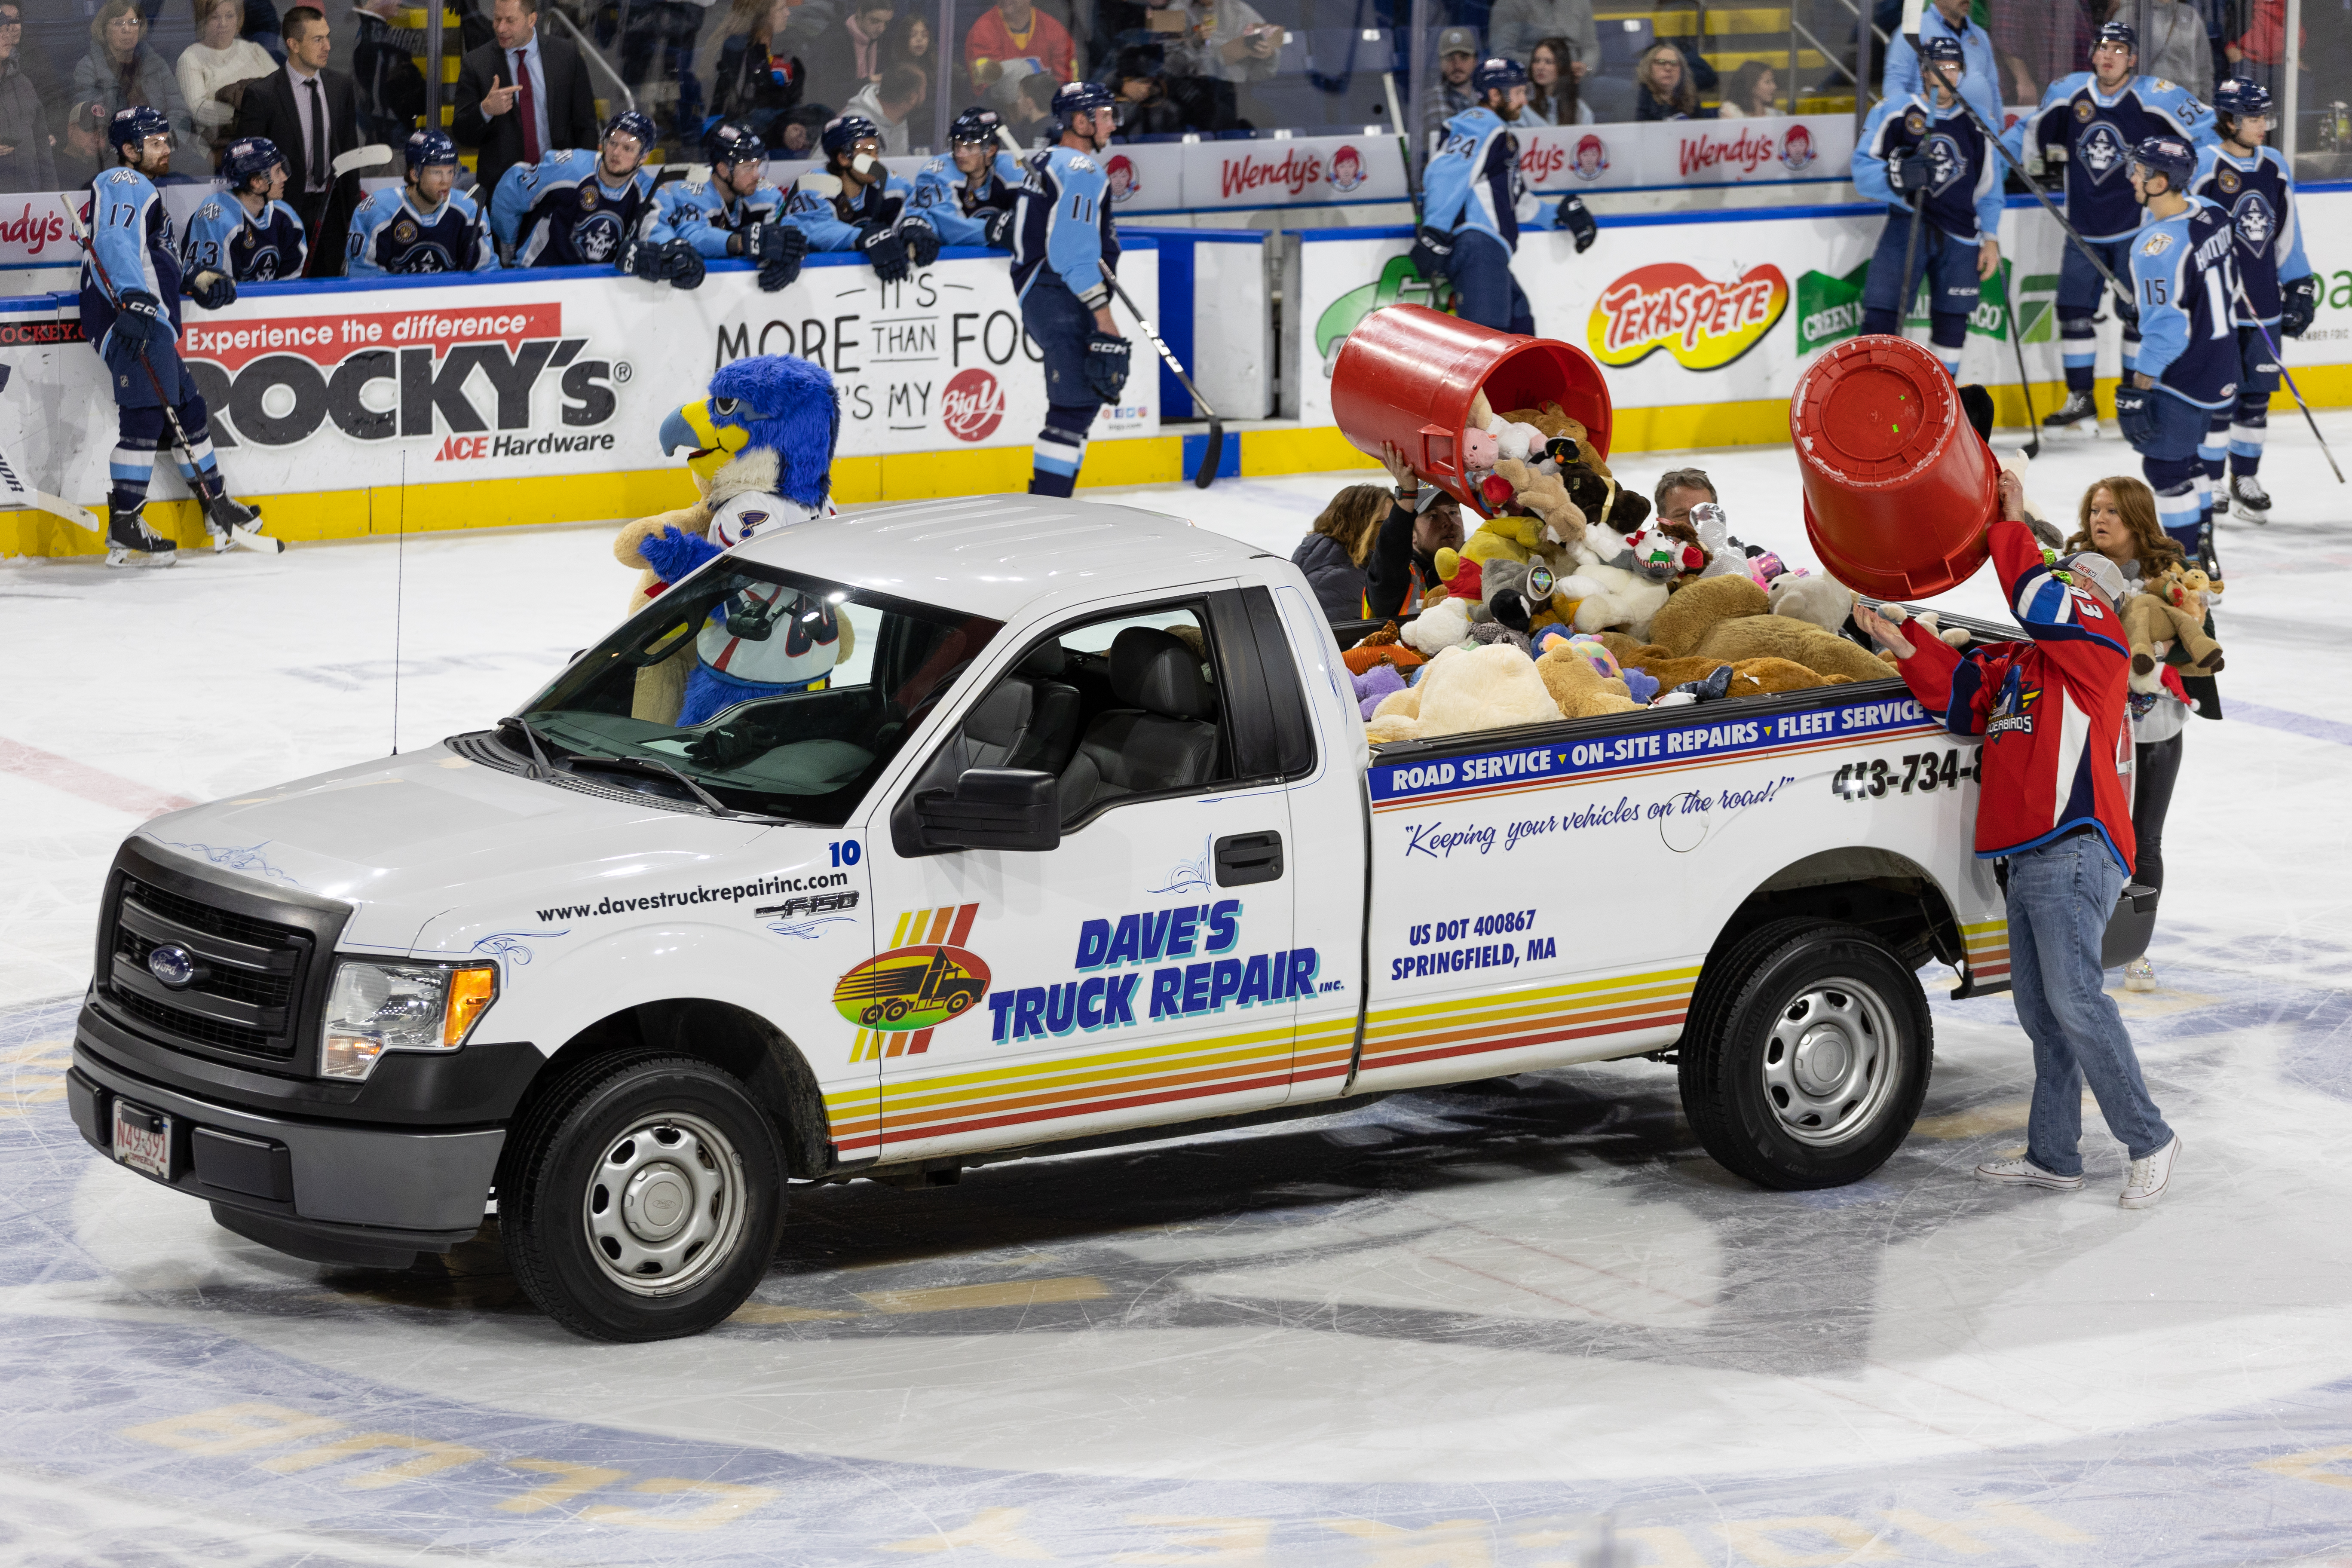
[993, 809]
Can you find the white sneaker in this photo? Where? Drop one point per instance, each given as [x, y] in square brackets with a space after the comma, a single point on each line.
[2148, 1177]
[2023, 1172]
[2139, 974]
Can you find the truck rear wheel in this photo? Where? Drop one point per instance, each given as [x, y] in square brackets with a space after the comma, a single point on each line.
[642, 1197]
[1807, 1055]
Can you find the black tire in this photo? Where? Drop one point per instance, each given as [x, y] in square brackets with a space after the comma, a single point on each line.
[1807, 1055]
[642, 1197]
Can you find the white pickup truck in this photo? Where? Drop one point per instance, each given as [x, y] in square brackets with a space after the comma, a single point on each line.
[1081, 838]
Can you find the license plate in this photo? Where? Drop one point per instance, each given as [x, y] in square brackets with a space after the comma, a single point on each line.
[142, 1140]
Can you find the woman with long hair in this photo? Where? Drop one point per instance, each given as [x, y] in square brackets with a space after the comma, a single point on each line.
[1662, 79]
[1552, 98]
[2118, 520]
[1333, 554]
[220, 58]
[909, 43]
[122, 69]
[752, 84]
[1754, 93]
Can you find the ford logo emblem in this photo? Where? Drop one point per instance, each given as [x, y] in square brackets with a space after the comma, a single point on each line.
[172, 964]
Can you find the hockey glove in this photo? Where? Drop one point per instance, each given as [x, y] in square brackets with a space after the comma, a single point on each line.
[998, 228]
[673, 554]
[641, 261]
[1910, 173]
[139, 317]
[1573, 217]
[2054, 168]
[779, 248]
[1432, 254]
[2136, 414]
[886, 251]
[922, 240]
[2126, 309]
[2298, 303]
[1106, 366]
[213, 290]
[682, 263]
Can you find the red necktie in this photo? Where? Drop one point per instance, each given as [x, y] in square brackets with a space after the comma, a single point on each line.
[526, 107]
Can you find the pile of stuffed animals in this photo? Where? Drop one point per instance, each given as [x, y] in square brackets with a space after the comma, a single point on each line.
[1572, 601]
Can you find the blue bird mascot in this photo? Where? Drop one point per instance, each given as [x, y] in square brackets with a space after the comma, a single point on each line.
[759, 448]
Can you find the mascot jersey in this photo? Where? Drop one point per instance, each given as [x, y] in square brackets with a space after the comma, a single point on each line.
[707, 217]
[1065, 224]
[833, 221]
[223, 237]
[946, 199]
[1474, 181]
[2098, 130]
[391, 235]
[562, 212]
[1964, 188]
[2257, 198]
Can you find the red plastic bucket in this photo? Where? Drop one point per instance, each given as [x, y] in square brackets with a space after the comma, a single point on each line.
[1406, 375]
[1898, 486]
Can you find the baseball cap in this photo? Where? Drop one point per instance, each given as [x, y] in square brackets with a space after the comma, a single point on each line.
[2097, 570]
[1458, 41]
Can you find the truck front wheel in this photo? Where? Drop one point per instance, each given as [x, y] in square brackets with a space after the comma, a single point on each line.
[1806, 1056]
[642, 1197]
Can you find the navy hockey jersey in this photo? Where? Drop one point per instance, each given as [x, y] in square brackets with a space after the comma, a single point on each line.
[2098, 131]
[561, 212]
[1062, 224]
[391, 233]
[223, 237]
[1473, 182]
[2186, 283]
[1963, 193]
[2257, 196]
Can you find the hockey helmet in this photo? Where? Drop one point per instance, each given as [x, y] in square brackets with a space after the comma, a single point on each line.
[640, 126]
[2122, 33]
[2170, 156]
[1944, 49]
[974, 125]
[252, 156]
[1499, 74]
[429, 149]
[1072, 98]
[732, 141]
[131, 126]
[2239, 97]
[843, 132]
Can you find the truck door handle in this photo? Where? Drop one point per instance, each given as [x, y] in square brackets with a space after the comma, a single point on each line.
[1247, 858]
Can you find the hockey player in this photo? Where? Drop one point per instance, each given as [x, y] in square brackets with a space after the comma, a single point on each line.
[426, 226]
[737, 213]
[1925, 150]
[854, 203]
[2184, 280]
[968, 193]
[130, 288]
[1472, 198]
[575, 206]
[246, 231]
[2091, 120]
[1063, 243]
[2249, 182]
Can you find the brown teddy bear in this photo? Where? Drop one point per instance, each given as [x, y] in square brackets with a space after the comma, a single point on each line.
[1802, 642]
[2150, 620]
[1578, 688]
[1698, 606]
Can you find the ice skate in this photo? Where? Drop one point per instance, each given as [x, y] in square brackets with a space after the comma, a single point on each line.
[131, 543]
[2078, 406]
[2024, 1173]
[2247, 494]
[2139, 974]
[232, 524]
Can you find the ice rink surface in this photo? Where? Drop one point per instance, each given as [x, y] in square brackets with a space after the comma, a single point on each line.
[1498, 1324]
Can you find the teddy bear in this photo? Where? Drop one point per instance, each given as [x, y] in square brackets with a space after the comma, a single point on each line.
[1459, 576]
[1577, 687]
[1687, 616]
[1802, 642]
[1801, 597]
[1463, 690]
[2150, 620]
[1504, 538]
[1375, 684]
[1443, 625]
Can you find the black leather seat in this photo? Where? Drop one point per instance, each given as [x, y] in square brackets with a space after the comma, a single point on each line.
[1053, 712]
[1161, 738]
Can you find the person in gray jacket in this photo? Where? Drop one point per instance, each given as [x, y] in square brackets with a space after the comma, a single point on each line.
[122, 69]
[1516, 28]
[1333, 555]
[26, 162]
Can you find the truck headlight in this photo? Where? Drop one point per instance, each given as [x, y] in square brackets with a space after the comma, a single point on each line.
[376, 1007]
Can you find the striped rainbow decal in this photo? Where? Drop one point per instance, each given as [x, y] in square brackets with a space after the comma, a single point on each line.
[1987, 946]
[915, 928]
[1022, 1095]
[1513, 1020]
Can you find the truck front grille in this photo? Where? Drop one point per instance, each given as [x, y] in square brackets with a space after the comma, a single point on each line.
[250, 973]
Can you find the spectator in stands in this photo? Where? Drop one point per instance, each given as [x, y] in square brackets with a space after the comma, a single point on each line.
[1979, 80]
[261, 27]
[521, 97]
[890, 104]
[1516, 26]
[213, 70]
[848, 55]
[312, 115]
[664, 33]
[1221, 40]
[1450, 94]
[1552, 95]
[121, 70]
[1030, 108]
[801, 128]
[909, 43]
[1754, 93]
[2259, 53]
[1016, 29]
[383, 65]
[27, 159]
[2172, 45]
[1662, 87]
[752, 84]
[1144, 107]
[82, 152]
[1336, 548]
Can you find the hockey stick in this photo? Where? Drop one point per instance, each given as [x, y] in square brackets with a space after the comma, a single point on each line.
[2017, 342]
[2293, 391]
[250, 537]
[375, 155]
[2043, 196]
[1209, 459]
[1910, 255]
[1404, 146]
[15, 495]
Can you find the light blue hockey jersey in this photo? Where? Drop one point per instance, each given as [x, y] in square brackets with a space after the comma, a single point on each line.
[250, 248]
[945, 200]
[706, 217]
[1473, 182]
[1063, 224]
[391, 235]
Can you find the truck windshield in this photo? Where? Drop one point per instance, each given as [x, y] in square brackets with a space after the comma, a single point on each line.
[775, 693]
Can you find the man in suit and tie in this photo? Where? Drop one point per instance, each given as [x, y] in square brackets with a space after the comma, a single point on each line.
[313, 115]
[521, 97]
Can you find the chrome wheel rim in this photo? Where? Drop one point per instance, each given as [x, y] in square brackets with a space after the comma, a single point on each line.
[664, 1205]
[1829, 1062]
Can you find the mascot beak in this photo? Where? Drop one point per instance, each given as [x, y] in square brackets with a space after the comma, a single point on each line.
[709, 445]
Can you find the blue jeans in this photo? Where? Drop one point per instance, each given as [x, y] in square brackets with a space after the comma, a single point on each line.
[2060, 897]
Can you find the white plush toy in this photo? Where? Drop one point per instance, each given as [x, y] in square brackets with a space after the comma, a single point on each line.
[1520, 443]
[1609, 595]
[1443, 625]
[1800, 596]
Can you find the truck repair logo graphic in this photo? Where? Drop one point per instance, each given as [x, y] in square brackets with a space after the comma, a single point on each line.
[971, 405]
[1672, 305]
[896, 998]
[381, 373]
